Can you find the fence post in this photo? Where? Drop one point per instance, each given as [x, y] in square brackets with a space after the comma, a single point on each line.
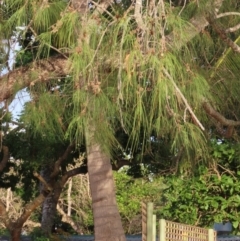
[211, 235]
[149, 221]
[154, 226]
[162, 230]
[144, 221]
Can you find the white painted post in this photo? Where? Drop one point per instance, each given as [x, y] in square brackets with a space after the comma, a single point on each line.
[149, 221]
[162, 230]
[154, 227]
[211, 235]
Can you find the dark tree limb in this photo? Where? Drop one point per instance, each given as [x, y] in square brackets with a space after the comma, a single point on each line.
[218, 117]
[5, 159]
[79, 170]
[61, 159]
[221, 121]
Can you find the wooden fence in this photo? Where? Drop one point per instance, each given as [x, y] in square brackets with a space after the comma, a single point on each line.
[171, 231]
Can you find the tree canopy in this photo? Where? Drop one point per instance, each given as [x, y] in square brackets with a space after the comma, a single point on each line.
[158, 71]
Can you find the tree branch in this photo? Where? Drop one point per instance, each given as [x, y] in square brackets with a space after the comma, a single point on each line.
[57, 67]
[217, 116]
[4, 216]
[39, 71]
[61, 159]
[29, 208]
[138, 15]
[41, 179]
[197, 24]
[68, 219]
[184, 100]
[233, 29]
[5, 159]
[222, 34]
[79, 170]
[220, 15]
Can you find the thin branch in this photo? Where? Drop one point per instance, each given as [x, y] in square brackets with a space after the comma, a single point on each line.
[4, 215]
[68, 219]
[233, 29]
[41, 179]
[222, 34]
[69, 198]
[184, 5]
[184, 100]
[103, 8]
[220, 15]
[228, 171]
[138, 15]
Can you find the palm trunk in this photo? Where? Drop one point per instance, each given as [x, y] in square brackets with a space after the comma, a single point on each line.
[107, 220]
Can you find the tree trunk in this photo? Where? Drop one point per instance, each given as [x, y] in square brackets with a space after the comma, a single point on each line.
[48, 214]
[15, 234]
[107, 220]
[49, 207]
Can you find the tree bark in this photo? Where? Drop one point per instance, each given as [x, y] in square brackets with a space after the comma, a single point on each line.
[49, 207]
[107, 220]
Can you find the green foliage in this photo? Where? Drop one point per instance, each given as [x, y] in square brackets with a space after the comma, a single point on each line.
[37, 235]
[210, 195]
[4, 231]
[130, 194]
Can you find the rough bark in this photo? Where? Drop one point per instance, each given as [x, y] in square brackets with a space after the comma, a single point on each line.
[107, 220]
[49, 204]
[39, 71]
[49, 207]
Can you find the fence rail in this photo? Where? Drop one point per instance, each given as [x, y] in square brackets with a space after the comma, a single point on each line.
[172, 231]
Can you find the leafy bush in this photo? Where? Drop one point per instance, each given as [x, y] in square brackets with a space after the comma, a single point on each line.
[203, 199]
[130, 194]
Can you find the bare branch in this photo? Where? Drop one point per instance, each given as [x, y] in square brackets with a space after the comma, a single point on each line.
[4, 216]
[138, 15]
[68, 219]
[220, 15]
[41, 179]
[184, 100]
[233, 29]
[184, 5]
